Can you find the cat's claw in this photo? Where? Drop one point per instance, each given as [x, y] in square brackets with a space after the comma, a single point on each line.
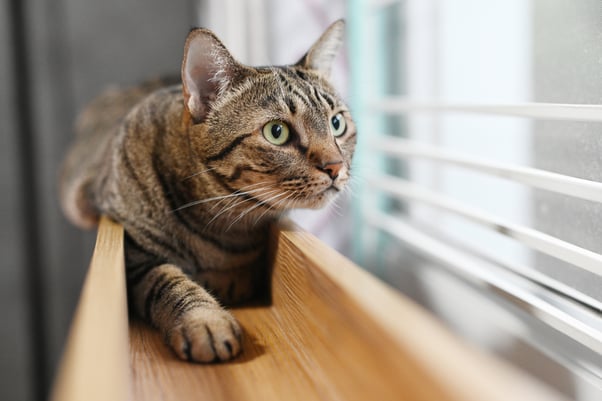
[206, 335]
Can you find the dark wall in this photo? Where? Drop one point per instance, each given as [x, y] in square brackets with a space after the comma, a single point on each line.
[54, 57]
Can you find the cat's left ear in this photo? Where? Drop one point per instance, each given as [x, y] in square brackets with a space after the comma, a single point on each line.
[208, 69]
[321, 55]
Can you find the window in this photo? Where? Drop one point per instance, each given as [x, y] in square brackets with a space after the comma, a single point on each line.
[480, 165]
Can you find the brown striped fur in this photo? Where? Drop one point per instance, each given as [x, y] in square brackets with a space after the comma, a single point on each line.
[190, 174]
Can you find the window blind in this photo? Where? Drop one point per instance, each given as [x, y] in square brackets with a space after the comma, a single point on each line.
[387, 104]
[587, 331]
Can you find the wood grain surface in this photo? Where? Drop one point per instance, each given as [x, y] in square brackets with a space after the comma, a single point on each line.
[94, 364]
[330, 332]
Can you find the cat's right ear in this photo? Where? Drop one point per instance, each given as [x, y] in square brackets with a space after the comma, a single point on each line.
[208, 69]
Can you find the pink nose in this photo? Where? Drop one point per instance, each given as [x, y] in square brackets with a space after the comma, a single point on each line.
[332, 169]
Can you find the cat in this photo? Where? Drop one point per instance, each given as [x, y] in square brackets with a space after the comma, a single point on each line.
[196, 173]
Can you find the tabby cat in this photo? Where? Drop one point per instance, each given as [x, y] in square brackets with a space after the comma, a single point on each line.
[196, 172]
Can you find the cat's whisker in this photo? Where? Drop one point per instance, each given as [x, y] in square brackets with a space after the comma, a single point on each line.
[248, 189]
[247, 192]
[276, 204]
[351, 189]
[358, 179]
[272, 207]
[262, 203]
[347, 188]
[239, 192]
[238, 202]
[201, 201]
[337, 209]
[232, 198]
[291, 201]
[229, 206]
[294, 201]
[197, 174]
[335, 204]
[226, 209]
[354, 191]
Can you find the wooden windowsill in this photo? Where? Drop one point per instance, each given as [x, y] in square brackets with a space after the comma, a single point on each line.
[332, 332]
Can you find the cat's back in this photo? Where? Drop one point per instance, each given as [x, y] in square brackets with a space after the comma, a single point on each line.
[109, 108]
[96, 126]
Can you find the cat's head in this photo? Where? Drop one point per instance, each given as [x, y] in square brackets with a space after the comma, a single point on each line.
[278, 134]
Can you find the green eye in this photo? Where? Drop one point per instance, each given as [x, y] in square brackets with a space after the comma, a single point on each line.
[276, 132]
[338, 124]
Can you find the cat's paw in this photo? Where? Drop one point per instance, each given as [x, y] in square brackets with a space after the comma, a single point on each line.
[206, 335]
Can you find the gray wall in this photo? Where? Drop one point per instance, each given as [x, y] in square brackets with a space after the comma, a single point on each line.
[15, 356]
[73, 48]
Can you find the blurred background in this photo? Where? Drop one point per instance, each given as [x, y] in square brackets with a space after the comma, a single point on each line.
[476, 182]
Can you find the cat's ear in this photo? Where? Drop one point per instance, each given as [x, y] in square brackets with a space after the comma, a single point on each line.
[208, 69]
[321, 55]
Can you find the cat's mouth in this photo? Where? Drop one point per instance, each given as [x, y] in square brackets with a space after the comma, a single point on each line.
[333, 187]
[314, 196]
[324, 197]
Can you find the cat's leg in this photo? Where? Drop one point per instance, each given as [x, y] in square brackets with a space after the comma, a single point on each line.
[192, 322]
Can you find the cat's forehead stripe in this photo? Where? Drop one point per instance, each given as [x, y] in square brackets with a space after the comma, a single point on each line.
[319, 95]
[289, 87]
[328, 99]
[310, 93]
[290, 104]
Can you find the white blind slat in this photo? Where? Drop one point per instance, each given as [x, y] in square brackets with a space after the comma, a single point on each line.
[559, 183]
[556, 316]
[542, 242]
[551, 111]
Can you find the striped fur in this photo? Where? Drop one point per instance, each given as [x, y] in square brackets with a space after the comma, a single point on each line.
[191, 176]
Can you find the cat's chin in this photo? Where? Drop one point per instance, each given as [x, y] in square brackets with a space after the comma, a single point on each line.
[318, 201]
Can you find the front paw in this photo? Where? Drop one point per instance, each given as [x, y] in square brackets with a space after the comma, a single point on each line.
[206, 335]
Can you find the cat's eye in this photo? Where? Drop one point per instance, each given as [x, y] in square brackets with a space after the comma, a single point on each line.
[338, 124]
[276, 132]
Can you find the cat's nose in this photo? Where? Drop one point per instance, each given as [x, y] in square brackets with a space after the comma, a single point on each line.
[332, 169]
